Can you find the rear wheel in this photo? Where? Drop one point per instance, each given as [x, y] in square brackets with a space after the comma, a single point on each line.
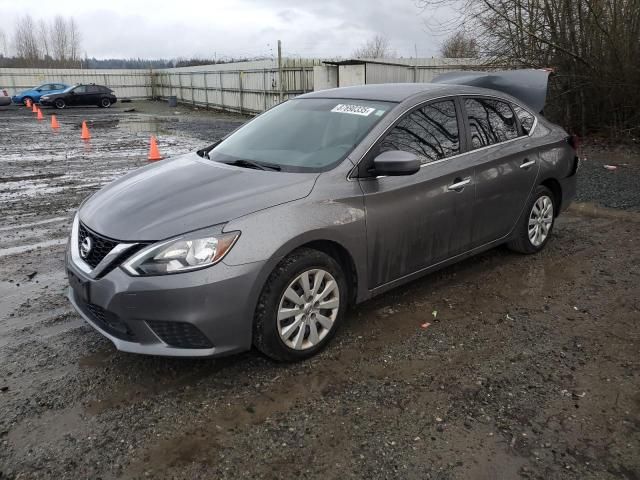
[301, 306]
[60, 103]
[105, 103]
[534, 229]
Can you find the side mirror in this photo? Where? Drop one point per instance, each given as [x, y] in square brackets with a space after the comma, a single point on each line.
[396, 163]
[38, 89]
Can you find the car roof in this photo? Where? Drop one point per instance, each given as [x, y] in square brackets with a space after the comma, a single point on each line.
[397, 92]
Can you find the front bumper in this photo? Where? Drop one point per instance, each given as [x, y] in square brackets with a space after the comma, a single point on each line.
[203, 313]
[46, 103]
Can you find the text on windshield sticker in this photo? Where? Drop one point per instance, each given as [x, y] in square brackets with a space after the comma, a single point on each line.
[353, 109]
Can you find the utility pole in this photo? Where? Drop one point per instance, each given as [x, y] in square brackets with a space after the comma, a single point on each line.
[280, 69]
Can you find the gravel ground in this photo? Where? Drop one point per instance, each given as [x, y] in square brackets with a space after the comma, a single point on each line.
[619, 188]
[529, 369]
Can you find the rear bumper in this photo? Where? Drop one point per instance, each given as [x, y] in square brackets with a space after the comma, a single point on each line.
[204, 313]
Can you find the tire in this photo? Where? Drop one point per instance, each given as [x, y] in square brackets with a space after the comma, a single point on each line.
[24, 100]
[105, 103]
[526, 240]
[60, 103]
[278, 338]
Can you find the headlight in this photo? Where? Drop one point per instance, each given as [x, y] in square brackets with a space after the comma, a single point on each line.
[44, 98]
[181, 254]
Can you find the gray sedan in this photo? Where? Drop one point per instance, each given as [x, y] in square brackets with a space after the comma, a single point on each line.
[268, 236]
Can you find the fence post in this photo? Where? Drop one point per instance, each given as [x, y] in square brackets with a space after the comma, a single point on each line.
[264, 88]
[221, 91]
[193, 101]
[240, 87]
[180, 85]
[206, 90]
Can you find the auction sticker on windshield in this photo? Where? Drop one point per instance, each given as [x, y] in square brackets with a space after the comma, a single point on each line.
[353, 109]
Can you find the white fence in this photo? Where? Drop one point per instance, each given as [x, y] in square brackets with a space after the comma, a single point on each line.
[244, 87]
[126, 83]
[250, 90]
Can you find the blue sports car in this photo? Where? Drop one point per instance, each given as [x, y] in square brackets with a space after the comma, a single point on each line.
[35, 93]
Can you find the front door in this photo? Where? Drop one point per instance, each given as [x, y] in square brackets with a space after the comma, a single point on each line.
[79, 96]
[422, 219]
[506, 168]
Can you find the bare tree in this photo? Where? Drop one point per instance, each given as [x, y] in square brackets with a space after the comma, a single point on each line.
[377, 47]
[59, 38]
[460, 45]
[43, 36]
[592, 45]
[4, 46]
[26, 40]
[74, 40]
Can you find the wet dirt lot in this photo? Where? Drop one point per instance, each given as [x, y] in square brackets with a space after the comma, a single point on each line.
[529, 369]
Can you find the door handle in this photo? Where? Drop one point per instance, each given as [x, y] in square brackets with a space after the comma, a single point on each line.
[459, 184]
[527, 163]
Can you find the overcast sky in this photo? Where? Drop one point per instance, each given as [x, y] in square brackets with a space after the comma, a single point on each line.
[234, 28]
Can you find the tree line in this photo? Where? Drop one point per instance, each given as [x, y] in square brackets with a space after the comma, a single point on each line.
[56, 43]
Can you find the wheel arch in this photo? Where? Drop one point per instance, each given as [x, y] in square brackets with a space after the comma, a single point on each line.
[326, 244]
[556, 189]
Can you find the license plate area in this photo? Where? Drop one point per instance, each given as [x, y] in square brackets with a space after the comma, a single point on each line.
[82, 288]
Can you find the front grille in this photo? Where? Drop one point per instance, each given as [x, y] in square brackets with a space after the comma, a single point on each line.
[108, 322]
[179, 334]
[100, 246]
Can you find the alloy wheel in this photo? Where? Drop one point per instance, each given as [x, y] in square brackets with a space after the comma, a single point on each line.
[540, 220]
[308, 309]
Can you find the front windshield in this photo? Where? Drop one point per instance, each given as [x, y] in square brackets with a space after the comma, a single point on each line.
[302, 135]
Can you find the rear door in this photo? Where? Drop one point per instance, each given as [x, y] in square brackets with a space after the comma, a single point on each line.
[93, 95]
[422, 219]
[506, 167]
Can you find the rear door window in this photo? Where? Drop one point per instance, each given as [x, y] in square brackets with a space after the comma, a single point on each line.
[430, 132]
[93, 89]
[490, 122]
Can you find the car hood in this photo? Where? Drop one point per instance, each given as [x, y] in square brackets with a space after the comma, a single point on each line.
[186, 193]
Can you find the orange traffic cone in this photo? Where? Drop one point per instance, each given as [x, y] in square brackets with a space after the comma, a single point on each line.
[28, 103]
[34, 109]
[154, 153]
[85, 131]
[54, 122]
[40, 116]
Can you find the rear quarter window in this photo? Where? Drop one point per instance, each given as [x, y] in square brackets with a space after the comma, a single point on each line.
[490, 121]
[526, 118]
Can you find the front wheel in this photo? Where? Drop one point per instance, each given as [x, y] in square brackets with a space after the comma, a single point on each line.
[26, 100]
[60, 104]
[534, 229]
[301, 306]
[105, 103]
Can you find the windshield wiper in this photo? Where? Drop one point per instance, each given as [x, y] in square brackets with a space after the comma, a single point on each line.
[252, 164]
